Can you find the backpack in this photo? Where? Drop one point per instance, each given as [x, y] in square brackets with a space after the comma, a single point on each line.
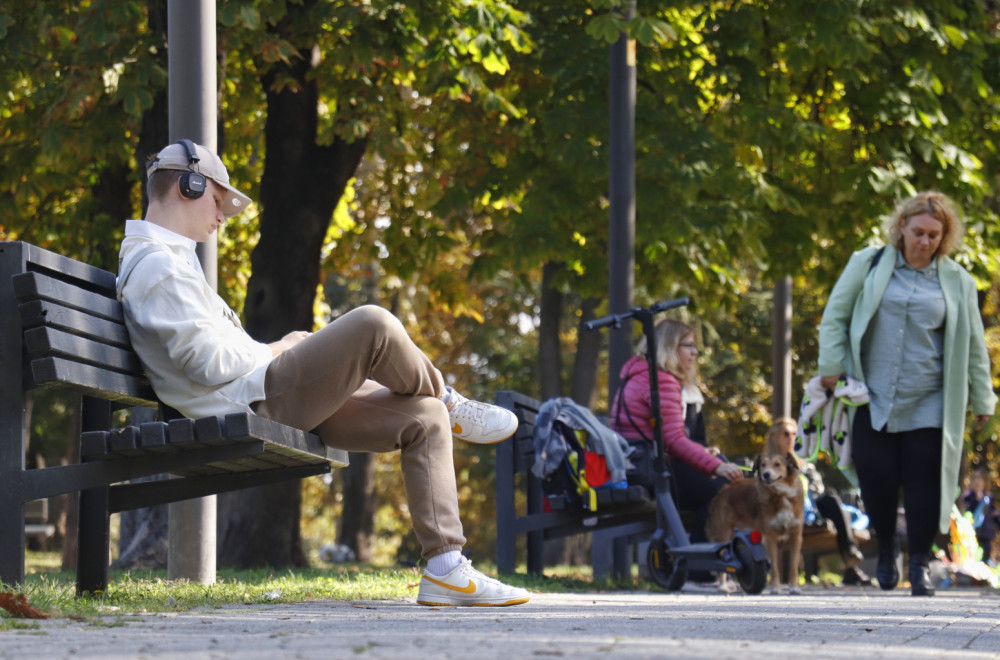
[573, 484]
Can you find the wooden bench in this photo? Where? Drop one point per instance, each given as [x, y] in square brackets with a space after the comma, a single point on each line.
[36, 520]
[621, 516]
[62, 327]
[821, 540]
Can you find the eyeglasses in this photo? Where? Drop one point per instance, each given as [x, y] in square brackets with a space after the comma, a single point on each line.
[688, 345]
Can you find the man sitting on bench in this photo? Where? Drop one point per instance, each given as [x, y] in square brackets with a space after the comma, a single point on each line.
[360, 383]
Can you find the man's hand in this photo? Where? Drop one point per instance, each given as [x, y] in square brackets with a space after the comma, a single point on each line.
[981, 420]
[286, 342]
[730, 471]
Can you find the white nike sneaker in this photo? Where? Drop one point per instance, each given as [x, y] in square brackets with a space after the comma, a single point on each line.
[479, 423]
[465, 585]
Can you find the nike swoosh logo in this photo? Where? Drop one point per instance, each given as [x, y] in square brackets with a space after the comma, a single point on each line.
[465, 590]
[457, 430]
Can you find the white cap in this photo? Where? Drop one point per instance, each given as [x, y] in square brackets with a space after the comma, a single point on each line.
[175, 157]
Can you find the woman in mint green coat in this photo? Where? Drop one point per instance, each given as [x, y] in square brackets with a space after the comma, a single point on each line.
[904, 319]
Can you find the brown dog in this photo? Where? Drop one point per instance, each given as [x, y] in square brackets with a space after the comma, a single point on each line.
[771, 502]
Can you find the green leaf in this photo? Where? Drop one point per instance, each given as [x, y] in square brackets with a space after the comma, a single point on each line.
[649, 31]
[607, 27]
[955, 36]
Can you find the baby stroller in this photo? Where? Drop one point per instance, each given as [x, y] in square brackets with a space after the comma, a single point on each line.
[671, 554]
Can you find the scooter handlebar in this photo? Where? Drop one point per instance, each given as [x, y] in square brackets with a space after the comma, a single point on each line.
[669, 304]
[616, 319]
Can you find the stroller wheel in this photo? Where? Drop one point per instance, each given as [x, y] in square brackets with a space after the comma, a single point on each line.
[664, 568]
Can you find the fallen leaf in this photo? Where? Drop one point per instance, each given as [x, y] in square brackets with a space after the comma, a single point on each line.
[18, 605]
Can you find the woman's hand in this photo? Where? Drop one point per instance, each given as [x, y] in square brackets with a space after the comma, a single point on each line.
[830, 382]
[730, 471]
[286, 342]
[981, 420]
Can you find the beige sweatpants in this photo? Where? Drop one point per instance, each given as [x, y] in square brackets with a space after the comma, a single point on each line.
[364, 386]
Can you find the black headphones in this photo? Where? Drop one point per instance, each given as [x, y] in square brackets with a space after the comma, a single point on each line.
[193, 183]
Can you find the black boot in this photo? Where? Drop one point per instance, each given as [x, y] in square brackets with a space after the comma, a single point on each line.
[856, 577]
[885, 571]
[920, 576]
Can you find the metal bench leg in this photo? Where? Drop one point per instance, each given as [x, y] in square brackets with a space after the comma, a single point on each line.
[535, 539]
[94, 541]
[11, 539]
[621, 558]
[93, 532]
[602, 554]
[506, 512]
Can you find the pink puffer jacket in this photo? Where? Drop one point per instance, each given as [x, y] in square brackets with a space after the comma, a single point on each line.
[635, 375]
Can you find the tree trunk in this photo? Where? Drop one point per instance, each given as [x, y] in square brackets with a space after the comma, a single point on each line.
[588, 347]
[142, 539]
[300, 188]
[356, 528]
[549, 352]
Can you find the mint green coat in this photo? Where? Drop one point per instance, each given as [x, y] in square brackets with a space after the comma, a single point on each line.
[966, 378]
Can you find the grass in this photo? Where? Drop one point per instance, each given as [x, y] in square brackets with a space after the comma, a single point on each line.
[53, 592]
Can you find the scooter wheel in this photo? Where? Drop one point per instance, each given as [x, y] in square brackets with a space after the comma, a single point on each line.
[752, 575]
[663, 567]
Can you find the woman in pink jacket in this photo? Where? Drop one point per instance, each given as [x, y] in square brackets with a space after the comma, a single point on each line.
[699, 473]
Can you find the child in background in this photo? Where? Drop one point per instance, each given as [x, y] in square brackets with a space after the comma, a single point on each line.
[978, 501]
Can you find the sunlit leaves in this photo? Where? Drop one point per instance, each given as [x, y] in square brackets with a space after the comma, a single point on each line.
[647, 30]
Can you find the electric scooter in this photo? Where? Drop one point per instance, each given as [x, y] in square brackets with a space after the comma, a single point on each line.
[671, 554]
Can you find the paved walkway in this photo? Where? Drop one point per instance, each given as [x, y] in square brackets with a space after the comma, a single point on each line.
[817, 624]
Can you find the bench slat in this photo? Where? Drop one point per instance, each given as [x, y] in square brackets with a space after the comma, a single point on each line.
[44, 341]
[36, 286]
[289, 441]
[93, 445]
[37, 313]
[180, 436]
[125, 442]
[153, 437]
[94, 381]
[52, 263]
[210, 431]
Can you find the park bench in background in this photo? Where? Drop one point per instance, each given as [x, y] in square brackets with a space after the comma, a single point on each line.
[623, 516]
[62, 327]
[36, 520]
[821, 540]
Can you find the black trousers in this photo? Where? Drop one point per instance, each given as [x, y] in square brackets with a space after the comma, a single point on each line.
[887, 462]
[694, 491]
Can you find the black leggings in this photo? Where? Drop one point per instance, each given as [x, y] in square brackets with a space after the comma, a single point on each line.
[694, 491]
[886, 462]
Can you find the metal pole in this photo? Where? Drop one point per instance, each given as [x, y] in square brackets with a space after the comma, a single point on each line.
[621, 238]
[781, 349]
[191, 92]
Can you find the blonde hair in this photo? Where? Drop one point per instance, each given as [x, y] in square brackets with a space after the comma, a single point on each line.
[669, 334]
[934, 204]
[777, 427]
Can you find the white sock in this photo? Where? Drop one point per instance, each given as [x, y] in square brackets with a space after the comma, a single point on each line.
[446, 397]
[444, 563]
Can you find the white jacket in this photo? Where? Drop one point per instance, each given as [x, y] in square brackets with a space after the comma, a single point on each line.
[197, 355]
[824, 420]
